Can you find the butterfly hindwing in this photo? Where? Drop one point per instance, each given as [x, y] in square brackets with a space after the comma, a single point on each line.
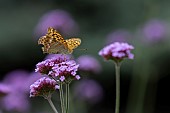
[58, 48]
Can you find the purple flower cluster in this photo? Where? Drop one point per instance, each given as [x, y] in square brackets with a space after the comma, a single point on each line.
[66, 70]
[45, 66]
[43, 87]
[89, 64]
[61, 68]
[117, 51]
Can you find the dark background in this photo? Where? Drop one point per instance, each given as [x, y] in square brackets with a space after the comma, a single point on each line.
[144, 79]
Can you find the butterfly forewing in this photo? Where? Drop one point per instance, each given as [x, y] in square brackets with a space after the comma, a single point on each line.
[73, 43]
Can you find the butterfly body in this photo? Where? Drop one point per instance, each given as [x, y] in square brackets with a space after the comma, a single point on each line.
[54, 43]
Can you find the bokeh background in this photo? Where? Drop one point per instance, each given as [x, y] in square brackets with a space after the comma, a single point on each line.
[142, 23]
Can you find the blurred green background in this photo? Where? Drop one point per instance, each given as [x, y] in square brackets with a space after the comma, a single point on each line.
[144, 80]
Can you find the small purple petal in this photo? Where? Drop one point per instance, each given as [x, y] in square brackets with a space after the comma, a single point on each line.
[77, 77]
[62, 78]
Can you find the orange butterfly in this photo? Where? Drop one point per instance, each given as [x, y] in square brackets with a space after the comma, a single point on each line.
[54, 43]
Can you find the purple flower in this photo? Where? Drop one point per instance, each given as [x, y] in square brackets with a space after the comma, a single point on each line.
[66, 71]
[45, 66]
[118, 36]
[58, 19]
[89, 64]
[43, 87]
[88, 90]
[117, 51]
[60, 67]
[154, 30]
[4, 90]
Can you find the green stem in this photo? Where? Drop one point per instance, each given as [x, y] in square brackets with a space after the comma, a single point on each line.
[52, 105]
[117, 69]
[62, 98]
[67, 97]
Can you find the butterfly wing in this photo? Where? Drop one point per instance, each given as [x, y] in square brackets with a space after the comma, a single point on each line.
[44, 40]
[58, 48]
[52, 42]
[73, 43]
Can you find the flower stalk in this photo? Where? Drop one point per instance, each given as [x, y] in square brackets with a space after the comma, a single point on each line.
[62, 98]
[52, 105]
[67, 97]
[117, 70]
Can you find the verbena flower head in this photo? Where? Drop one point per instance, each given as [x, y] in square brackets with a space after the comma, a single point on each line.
[45, 66]
[117, 51]
[43, 87]
[66, 71]
[58, 19]
[61, 68]
[88, 90]
[89, 64]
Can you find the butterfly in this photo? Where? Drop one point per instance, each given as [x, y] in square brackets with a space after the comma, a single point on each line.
[54, 43]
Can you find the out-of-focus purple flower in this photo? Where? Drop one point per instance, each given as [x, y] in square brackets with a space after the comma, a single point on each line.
[58, 19]
[117, 51]
[43, 87]
[16, 79]
[88, 90]
[118, 36]
[15, 102]
[89, 64]
[45, 66]
[4, 90]
[154, 30]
